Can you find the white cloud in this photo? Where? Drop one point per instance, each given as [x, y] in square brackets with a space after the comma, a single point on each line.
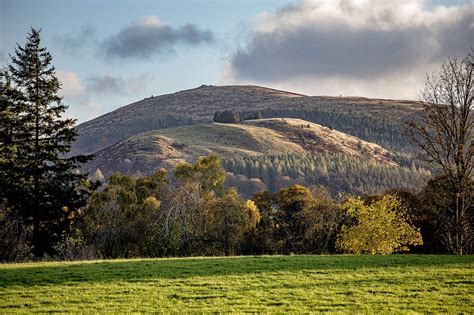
[71, 84]
[367, 47]
[94, 95]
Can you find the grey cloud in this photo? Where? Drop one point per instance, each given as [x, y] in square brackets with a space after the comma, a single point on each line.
[311, 50]
[142, 40]
[86, 36]
[112, 85]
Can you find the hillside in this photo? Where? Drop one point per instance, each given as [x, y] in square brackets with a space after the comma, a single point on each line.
[373, 120]
[266, 154]
[146, 152]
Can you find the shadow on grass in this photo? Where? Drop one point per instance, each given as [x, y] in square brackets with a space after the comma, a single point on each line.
[142, 270]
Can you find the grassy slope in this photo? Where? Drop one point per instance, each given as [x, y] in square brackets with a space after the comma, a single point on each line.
[287, 283]
[149, 151]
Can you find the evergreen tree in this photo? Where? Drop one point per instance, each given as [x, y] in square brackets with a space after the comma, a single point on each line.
[37, 179]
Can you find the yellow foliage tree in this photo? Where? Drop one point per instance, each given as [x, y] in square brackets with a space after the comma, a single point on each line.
[253, 213]
[380, 227]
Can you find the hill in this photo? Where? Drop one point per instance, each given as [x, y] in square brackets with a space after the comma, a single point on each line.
[265, 154]
[373, 120]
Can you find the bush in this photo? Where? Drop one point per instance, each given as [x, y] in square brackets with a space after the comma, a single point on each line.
[380, 227]
[15, 238]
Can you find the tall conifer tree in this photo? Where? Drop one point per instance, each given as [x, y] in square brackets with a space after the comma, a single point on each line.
[38, 182]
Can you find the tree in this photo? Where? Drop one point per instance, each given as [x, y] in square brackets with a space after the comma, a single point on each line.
[228, 218]
[380, 227]
[207, 171]
[37, 180]
[445, 135]
[226, 116]
[437, 197]
[123, 219]
[292, 203]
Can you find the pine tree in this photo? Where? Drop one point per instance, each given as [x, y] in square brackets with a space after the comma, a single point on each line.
[37, 179]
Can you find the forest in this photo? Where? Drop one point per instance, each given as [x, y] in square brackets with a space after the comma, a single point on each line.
[339, 173]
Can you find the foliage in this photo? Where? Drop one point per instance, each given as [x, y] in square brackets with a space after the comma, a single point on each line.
[380, 227]
[338, 172]
[146, 216]
[295, 220]
[121, 220]
[206, 171]
[227, 116]
[37, 180]
[15, 237]
[451, 232]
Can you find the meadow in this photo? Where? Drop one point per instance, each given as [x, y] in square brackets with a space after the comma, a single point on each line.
[395, 283]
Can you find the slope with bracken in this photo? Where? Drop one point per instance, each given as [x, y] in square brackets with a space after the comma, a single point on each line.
[147, 152]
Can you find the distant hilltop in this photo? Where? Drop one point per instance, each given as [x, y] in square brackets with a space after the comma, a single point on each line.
[198, 105]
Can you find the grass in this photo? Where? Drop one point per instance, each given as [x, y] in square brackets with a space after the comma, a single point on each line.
[397, 283]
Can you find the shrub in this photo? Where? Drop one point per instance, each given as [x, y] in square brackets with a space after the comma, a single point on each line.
[380, 227]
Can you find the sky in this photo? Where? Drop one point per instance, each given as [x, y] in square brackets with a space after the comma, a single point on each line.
[110, 53]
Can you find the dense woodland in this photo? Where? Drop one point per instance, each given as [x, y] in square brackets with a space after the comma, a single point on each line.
[49, 210]
[337, 172]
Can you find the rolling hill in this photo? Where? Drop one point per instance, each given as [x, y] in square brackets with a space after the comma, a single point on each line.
[146, 152]
[266, 154]
[373, 120]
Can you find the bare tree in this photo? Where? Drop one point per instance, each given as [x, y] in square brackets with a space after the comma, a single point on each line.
[445, 135]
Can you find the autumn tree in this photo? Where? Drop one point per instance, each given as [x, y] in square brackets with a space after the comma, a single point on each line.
[38, 182]
[445, 135]
[292, 203]
[380, 227]
[123, 220]
[228, 218]
[207, 172]
[295, 219]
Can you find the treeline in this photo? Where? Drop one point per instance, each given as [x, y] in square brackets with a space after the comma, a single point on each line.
[190, 212]
[389, 133]
[335, 171]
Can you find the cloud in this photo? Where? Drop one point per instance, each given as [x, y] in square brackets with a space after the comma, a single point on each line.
[107, 84]
[72, 42]
[71, 84]
[352, 46]
[95, 94]
[149, 36]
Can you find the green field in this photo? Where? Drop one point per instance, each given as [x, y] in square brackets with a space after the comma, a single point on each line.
[405, 283]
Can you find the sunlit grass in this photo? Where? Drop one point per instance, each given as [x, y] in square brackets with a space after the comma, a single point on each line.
[406, 283]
